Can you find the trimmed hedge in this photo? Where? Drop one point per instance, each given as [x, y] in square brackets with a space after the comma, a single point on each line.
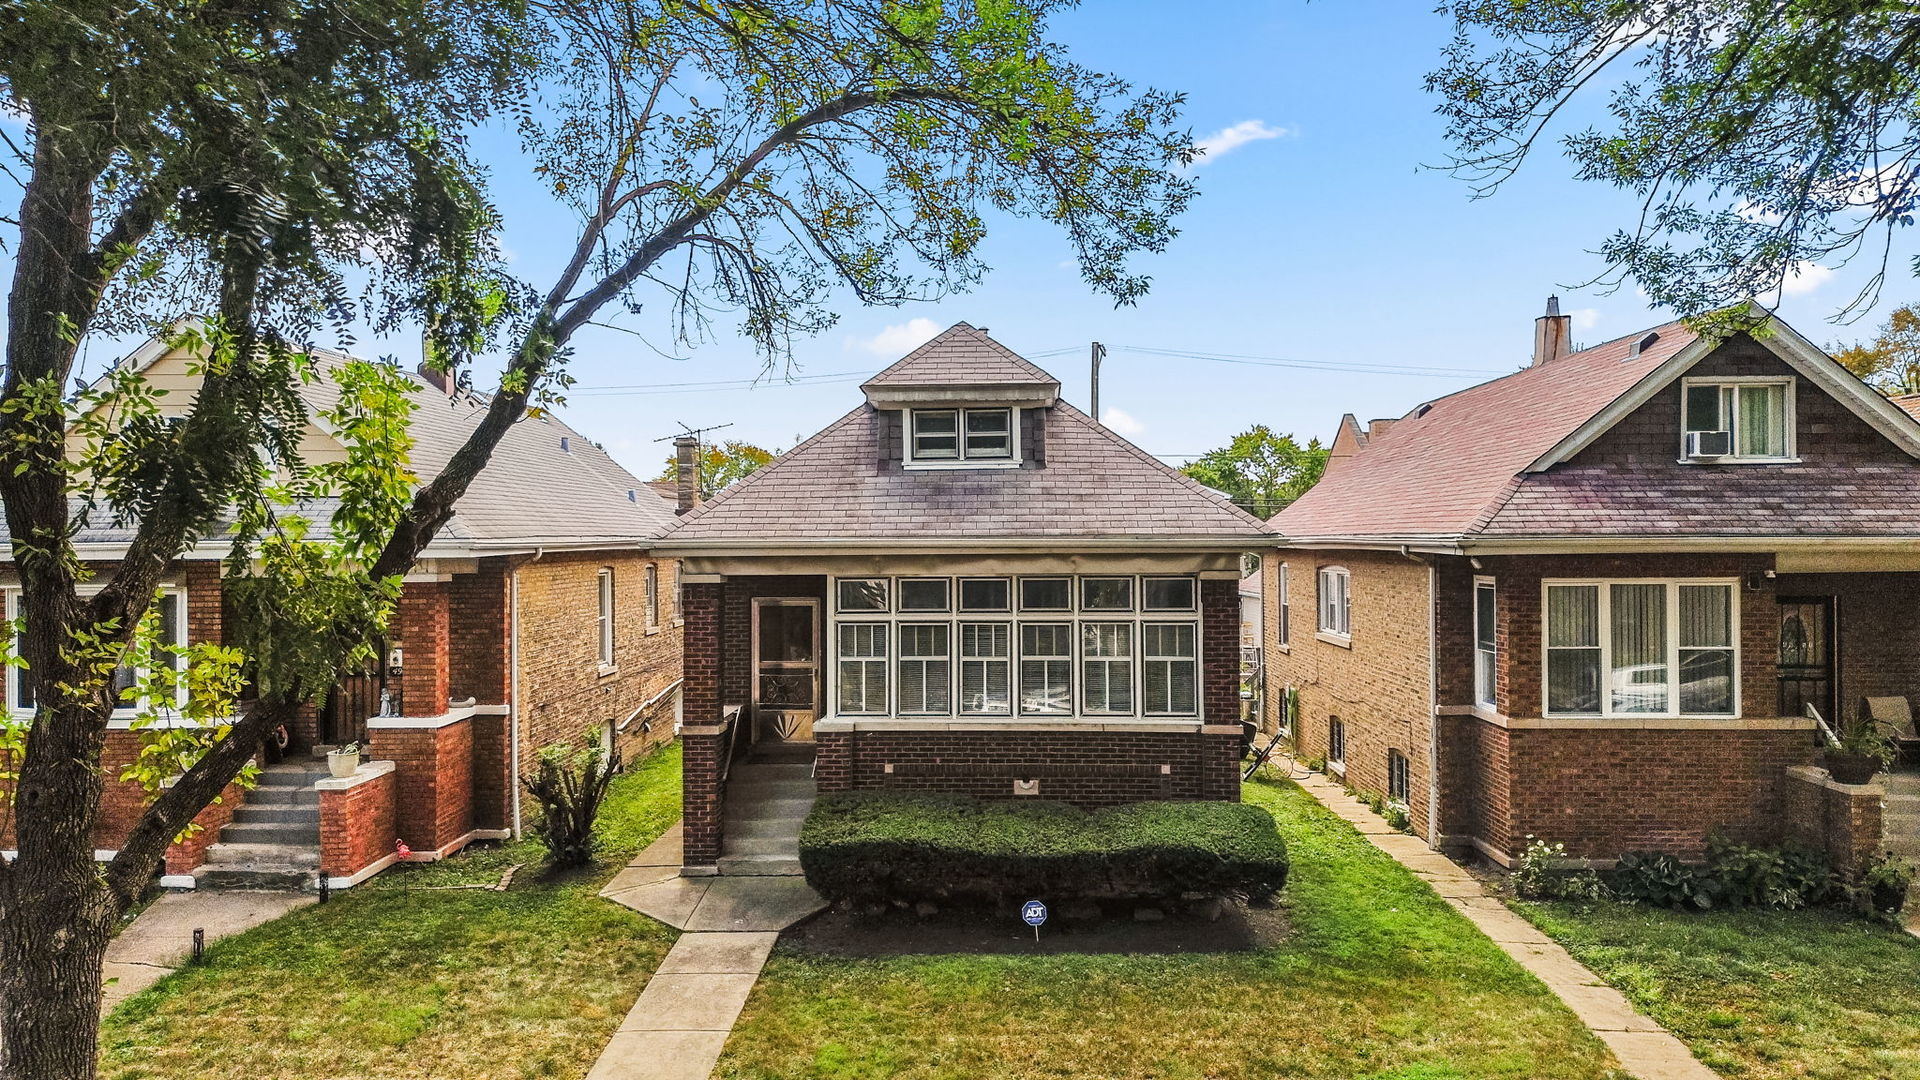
[882, 846]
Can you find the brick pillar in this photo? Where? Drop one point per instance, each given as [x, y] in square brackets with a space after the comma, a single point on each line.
[1219, 755]
[358, 824]
[434, 780]
[422, 628]
[702, 732]
[833, 761]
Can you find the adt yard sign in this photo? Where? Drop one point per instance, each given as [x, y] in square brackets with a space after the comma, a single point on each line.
[1033, 913]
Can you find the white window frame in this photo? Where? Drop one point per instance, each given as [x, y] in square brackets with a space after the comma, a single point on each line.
[1005, 661]
[884, 634]
[122, 710]
[1073, 620]
[1792, 453]
[1147, 659]
[604, 607]
[1283, 630]
[911, 459]
[1486, 683]
[650, 578]
[1604, 615]
[1131, 659]
[901, 658]
[1333, 621]
[1337, 746]
[1398, 762]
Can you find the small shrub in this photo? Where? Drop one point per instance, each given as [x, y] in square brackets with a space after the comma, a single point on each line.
[1658, 878]
[1539, 876]
[1315, 764]
[1880, 890]
[1398, 815]
[570, 782]
[886, 846]
[1741, 875]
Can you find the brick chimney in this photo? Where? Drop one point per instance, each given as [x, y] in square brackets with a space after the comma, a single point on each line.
[442, 381]
[686, 458]
[1552, 334]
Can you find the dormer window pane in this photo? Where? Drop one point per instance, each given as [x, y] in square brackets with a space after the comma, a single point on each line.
[1756, 415]
[989, 433]
[936, 434]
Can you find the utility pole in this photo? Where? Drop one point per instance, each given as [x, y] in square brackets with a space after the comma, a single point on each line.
[1099, 353]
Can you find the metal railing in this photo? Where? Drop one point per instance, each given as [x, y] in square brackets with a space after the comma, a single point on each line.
[730, 716]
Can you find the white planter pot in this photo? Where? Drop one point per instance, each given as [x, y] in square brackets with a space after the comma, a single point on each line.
[343, 765]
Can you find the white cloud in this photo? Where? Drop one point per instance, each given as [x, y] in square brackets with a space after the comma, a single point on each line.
[1585, 318]
[1228, 139]
[1121, 422]
[898, 340]
[1802, 278]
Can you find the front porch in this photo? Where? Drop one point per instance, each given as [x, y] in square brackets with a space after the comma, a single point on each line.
[1094, 680]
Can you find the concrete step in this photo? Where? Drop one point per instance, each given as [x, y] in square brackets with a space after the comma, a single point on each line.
[759, 770]
[759, 866]
[1904, 846]
[762, 845]
[761, 790]
[767, 808]
[247, 856]
[292, 833]
[761, 828]
[253, 813]
[281, 878]
[282, 776]
[285, 798]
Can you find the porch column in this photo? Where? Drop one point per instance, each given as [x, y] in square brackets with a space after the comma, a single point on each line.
[702, 729]
[422, 632]
[1220, 685]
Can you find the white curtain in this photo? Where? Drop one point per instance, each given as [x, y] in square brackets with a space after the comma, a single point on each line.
[1763, 421]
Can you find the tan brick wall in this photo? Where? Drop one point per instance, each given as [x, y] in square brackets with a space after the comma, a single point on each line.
[1380, 686]
[564, 695]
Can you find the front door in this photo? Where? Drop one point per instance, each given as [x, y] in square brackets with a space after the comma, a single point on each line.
[1806, 656]
[786, 669]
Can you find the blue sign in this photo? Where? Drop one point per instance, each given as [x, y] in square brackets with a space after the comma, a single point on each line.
[1033, 913]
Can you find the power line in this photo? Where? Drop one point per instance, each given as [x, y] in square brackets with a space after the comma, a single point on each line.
[1311, 365]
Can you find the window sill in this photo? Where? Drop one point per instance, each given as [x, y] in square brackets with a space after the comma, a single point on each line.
[652, 630]
[604, 670]
[936, 466]
[1337, 767]
[1739, 461]
[1344, 641]
[1283, 647]
[936, 723]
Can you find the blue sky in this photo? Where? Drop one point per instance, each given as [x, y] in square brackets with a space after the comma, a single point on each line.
[1322, 239]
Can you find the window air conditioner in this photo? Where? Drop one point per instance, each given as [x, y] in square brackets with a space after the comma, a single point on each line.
[1709, 444]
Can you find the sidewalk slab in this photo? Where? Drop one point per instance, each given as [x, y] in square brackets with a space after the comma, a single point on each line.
[659, 1055]
[690, 1003]
[160, 938]
[717, 954]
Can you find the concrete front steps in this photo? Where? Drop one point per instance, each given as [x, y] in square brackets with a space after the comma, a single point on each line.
[766, 802]
[273, 841]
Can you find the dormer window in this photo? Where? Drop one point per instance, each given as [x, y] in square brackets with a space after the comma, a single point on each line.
[1737, 420]
[962, 437]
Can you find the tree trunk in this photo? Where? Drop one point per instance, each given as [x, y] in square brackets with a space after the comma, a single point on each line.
[55, 923]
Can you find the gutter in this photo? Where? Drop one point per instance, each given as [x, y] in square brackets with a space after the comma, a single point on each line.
[899, 545]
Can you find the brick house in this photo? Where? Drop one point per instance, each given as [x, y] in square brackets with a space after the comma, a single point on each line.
[537, 615]
[964, 585]
[1594, 601]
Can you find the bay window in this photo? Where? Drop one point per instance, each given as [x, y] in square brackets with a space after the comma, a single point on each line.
[1640, 648]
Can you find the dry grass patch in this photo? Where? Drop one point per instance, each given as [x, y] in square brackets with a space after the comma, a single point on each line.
[1379, 980]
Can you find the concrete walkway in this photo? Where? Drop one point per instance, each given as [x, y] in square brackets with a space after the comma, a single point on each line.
[676, 1029]
[160, 939]
[1644, 1048]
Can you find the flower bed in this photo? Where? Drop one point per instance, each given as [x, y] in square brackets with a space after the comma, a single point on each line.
[885, 846]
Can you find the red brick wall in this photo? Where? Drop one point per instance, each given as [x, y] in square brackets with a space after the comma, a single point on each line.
[358, 826]
[421, 630]
[1091, 768]
[435, 769]
[1381, 686]
[1220, 651]
[703, 802]
[1842, 820]
[1476, 774]
[492, 779]
[1605, 792]
[478, 629]
[701, 753]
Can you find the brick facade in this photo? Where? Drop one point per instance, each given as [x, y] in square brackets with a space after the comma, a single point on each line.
[1095, 768]
[420, 630]
[702, 736]
[1379, 684]
[435, 805]
[1844, 821]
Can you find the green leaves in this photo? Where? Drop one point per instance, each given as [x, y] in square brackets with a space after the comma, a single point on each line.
[1260, 471]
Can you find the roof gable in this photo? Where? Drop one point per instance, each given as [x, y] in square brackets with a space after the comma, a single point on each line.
[961, 355]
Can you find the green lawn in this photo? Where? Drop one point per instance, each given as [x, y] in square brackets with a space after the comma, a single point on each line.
[1380, 979]
[1816, 994]
[393, 980]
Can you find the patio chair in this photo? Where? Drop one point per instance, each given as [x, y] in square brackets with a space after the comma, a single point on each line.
[1897, 716]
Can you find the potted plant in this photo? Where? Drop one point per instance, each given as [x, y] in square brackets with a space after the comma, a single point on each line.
[345, 760]
[1863, 748]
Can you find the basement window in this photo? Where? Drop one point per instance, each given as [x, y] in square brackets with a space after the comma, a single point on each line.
[1396, 776]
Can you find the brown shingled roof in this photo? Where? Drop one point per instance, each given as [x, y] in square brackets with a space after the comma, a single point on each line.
[1445, 468]
[836, 486]
[1908, 403]
[960, 355]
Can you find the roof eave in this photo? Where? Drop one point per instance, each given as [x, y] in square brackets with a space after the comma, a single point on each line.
[763, 545]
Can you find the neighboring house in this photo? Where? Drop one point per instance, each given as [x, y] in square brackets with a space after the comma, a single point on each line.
[1251, 615]
[963, 585]
[1593, 601]
[536, 616]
